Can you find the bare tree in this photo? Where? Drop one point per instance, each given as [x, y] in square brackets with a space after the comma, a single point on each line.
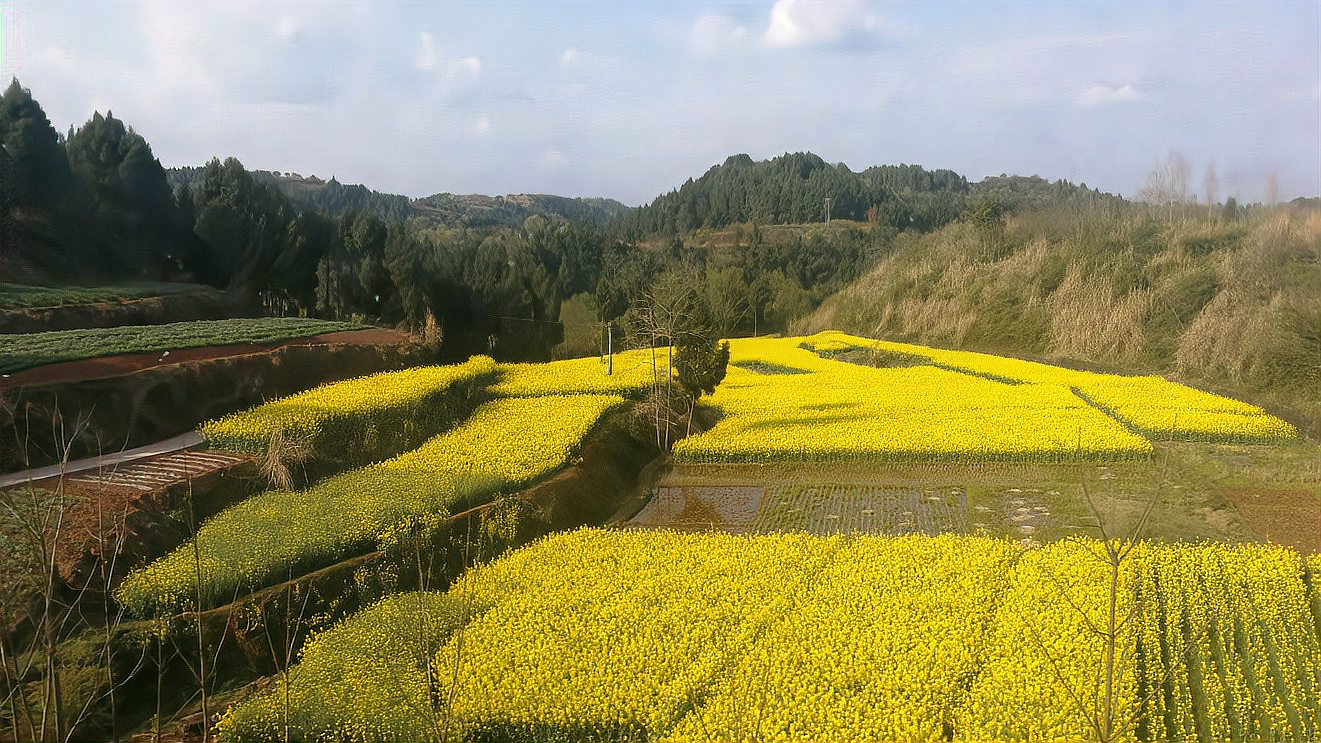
[1100, 704]
[36, 518]
[55, 604]
[727, 296]
[1167, 185]
[669, 313]
[1211, 187]
[283, 657]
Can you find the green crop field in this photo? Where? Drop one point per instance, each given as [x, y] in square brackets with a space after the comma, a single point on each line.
[27, 350]
[22, 296]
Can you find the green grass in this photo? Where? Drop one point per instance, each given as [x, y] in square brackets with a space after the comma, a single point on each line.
[22, 296]
[27, 350]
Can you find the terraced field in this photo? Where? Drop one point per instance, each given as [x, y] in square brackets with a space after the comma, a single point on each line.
[22, 296]
[934, 584]
[19, 351]
[435, 462]
[786, 399]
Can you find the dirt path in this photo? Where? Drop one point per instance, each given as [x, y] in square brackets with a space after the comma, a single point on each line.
[178, 443]
[125, 495]
[110, 366]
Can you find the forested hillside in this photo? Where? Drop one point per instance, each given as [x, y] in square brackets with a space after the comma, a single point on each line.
[800, 187]
[1221, 296]
[438, 210]
[92, 203]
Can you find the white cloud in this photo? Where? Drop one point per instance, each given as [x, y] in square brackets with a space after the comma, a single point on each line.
[427, 58]
[579, 60]
[1102, 94]
[462, 71]
[288, 28]
[813, 22]
[481, 127]
[55, 56]
[553, 160]
[712, 34]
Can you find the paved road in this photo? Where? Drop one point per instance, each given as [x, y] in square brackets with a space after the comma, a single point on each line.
[182, 441]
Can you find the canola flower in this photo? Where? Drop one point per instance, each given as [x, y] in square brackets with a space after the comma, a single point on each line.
[1040, 678]
[359, 680]
[1233, 644]
[832, 410]
[616, 658]
[880, 652]
[1313, 572]
[1151, 405]
[659, 635]
[338, 417]
[631, 373]
[505, 444]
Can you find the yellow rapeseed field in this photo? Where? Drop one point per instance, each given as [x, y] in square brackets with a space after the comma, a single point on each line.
[657, 635]
[1154, 406]
[785, 399]
[505, 444]
[780, 402]
[631, 373]
[327, 415]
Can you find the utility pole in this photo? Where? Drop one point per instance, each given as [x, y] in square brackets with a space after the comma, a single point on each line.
[828, 200]
[609, 349]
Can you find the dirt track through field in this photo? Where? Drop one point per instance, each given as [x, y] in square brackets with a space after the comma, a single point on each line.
[101, 497]
[110, 366]
[1291, 517]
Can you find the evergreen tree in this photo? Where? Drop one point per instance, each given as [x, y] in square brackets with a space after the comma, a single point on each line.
[41, 170]
[133, 205]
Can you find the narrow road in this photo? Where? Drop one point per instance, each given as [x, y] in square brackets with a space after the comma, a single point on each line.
[182, 441]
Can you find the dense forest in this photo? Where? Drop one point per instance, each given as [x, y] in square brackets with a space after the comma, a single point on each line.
[800, 188]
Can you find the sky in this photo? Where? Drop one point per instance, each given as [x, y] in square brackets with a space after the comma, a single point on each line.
[629, 99]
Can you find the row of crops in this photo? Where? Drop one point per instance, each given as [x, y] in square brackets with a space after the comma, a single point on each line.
[21, 296]
[784, 399]
[350, 420]
[671, 636]
[19, 351]
[439, 461]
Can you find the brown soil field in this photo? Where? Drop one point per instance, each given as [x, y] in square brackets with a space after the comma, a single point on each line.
[1288, 517]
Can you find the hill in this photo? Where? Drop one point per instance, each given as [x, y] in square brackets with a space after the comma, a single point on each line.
[801, 187]
[443, 209]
